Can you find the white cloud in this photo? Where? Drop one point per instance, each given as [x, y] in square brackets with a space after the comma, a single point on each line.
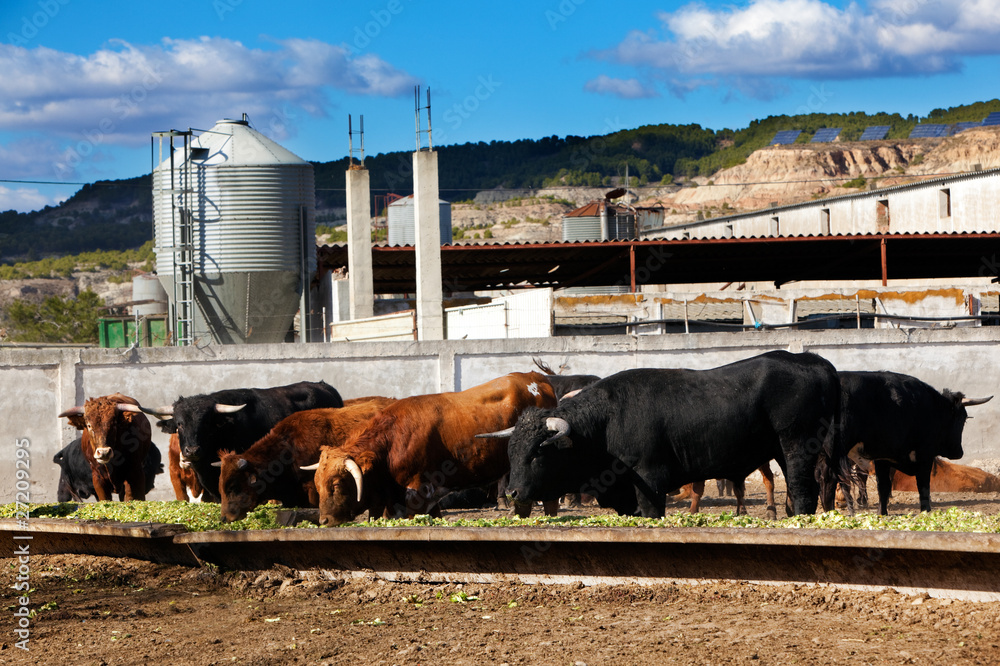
[122, 92]
[25, 199]
[811, 39]
[624, 88]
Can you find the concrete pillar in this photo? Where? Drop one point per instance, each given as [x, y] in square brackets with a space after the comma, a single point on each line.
[359, 244]
[427, 238]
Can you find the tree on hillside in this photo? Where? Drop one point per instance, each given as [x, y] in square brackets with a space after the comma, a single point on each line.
[56, 319]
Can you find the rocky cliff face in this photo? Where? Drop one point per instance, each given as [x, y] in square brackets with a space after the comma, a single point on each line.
[788, 174]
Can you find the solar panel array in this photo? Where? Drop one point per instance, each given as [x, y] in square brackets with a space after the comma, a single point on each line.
[875, 133]
[961, 127]
[992, 119]
[785, 137]
[928, 131]
[826, 135]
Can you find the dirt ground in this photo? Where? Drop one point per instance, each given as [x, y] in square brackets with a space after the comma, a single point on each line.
[121, 611]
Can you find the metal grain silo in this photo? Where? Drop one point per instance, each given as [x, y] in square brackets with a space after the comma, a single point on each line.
[599, 221]
[400, 214]
[235, 233]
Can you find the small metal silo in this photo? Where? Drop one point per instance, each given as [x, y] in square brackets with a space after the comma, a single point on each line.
[235, 233]
[598, 221]
[401, 221]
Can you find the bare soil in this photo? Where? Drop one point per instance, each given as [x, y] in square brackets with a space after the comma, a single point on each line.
[121, 611]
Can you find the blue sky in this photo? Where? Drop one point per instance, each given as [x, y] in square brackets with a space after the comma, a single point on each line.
[84, 83]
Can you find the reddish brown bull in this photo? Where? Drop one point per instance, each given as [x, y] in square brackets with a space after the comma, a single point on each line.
[947, 477]
[269, 470]
[116, 439]
[425, 442]
[185, 481]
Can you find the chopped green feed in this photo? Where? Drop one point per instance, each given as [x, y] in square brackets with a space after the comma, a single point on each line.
[197, 517]
[205, 516]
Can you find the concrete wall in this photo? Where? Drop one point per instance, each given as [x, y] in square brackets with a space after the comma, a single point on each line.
[39, 383]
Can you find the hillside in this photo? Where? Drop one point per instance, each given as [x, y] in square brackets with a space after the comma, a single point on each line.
[731, 169]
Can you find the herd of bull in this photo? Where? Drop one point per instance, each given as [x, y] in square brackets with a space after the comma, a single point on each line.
[628, 440]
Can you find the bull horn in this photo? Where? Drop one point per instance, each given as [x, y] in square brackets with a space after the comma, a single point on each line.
[228, 409]
[310, 468]
[217, 463]
[970, 402]
[571, 394]
[558, 427]
[242, 463]
[127, 407]
[507, 432]
[159, 412]
[355, 471]
[73, 411]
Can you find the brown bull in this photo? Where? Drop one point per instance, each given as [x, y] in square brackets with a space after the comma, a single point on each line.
[269, 470]
[948, 477]
[187, 488]
[116, 439]
[421, 446]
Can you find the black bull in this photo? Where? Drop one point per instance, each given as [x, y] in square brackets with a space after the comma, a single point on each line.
[632, 437]
[234, 419]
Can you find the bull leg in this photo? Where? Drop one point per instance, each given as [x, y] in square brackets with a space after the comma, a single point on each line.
[739, 491]
[771, 513]
[883, 480]
[551, 508]
[103, 487]
[179, 492]
[135, 486]
[697, 490]
[923, 479]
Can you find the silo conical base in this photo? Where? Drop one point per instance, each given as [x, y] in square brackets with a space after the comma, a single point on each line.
[235, 308]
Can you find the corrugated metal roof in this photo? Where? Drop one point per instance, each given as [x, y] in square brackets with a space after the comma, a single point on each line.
[481, 267]
[594, 209]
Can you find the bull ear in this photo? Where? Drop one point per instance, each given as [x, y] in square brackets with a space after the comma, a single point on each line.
[971, 402]
[228, 409]
[168, 426]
